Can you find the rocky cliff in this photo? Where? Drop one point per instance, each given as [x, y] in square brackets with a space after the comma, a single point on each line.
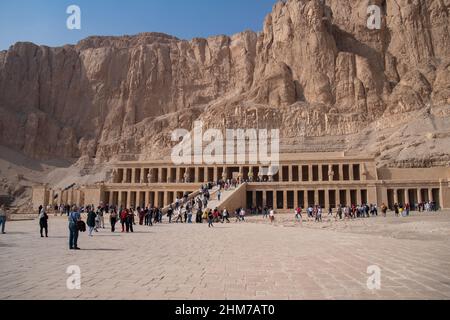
[316, 72]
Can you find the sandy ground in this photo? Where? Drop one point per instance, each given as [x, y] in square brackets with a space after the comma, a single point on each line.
[252, 260]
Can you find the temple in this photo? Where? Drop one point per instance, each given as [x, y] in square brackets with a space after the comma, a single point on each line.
[326, 179]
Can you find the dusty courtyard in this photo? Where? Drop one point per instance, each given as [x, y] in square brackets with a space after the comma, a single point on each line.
[254, 260]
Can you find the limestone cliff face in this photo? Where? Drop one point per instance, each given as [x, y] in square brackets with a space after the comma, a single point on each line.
[315, 71]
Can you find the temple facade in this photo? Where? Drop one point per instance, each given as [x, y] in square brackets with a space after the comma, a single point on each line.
[326, 179]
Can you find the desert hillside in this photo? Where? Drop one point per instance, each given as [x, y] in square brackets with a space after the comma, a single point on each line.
[315, 71]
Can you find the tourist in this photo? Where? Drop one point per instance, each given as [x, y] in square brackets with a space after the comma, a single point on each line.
[225, 216]
[170, 213]
[298, 214]
[179, 216]
[43, 222]
[396, 210]
[141, 215]
[384, 209]
[113, 220]
[101, 218]
[219, 195]
[265, 212]
[339, 212]
[123, 218]
[272, 215]
[129, 221]
[242, 214]
[210, 219]
[319, 214]
[91, 222]
[3, 217]
[189, 215]
[74, 218]
[330, 212]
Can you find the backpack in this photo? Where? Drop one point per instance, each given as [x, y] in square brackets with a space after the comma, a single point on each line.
[81, 226]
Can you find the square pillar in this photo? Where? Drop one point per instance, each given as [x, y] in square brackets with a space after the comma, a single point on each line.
[285, 202]
[320, 172]
[253, 198]
[349, 197]
[128, 199]
[275, 200]
[305, 199]
[119, 199]
[310, 173]
[316, 197]
[341, 172]
[291, 174]
[264, 198]
[350, 173]
[327, 198]
[196, 174]
[430, 194]
[396, 196]
[133, 175]
[338, 198]
[358, 197]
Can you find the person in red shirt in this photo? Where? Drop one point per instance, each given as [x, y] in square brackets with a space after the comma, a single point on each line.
[123, 218]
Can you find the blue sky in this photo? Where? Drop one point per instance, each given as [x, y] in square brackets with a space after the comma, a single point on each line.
[44, 21]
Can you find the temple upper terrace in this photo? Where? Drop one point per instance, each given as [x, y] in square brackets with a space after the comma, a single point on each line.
[306, 167]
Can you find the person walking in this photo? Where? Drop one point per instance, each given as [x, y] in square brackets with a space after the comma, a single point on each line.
[210, 219]
[91, 222]
[225, 216]
[272, 216]
[170, 214]
[113, 220]
[3, 216]
[319, 214]
[43, 222]
[130, 221]
[242, 214]
[74, 218]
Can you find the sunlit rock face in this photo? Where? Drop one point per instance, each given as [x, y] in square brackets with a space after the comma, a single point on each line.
[316, 72]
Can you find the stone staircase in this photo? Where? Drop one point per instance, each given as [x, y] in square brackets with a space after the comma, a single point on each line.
[226, 197]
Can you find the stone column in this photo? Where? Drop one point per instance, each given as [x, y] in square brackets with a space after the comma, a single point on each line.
[407, 196]
[275, 200]
[264, 198]
[291, 173]
[124, 175]
[128, 199]
[419, 195]
[358, 196]
[138, 199]
[316, 197]
[133, 175]
[254, 198]
[395, 196]
[349, 197]
[119, 199]
[338, 198]
[319, 168]
[350, 172]
[327, 198]
[430, 194]
[310, 173]
[196, 175]
[216, 174]
[341, 172]
[147, 199]
[285, 202]
[166, 199]
[305, 198]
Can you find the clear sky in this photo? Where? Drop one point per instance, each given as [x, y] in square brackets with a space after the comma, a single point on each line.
[44, 21]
